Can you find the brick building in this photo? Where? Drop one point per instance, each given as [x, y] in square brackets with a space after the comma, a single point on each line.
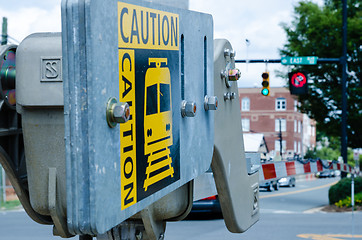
[277, 113]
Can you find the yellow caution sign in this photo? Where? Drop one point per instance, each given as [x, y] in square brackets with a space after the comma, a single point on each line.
[158, 122]
[128, 130]
[149, 70]
[146, 28]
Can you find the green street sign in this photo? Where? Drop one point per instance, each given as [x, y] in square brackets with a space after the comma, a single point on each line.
[310, 60]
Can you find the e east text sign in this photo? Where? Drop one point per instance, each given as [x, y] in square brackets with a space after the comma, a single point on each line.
[310, 60]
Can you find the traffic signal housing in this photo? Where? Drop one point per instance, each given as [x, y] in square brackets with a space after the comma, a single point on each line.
[298, 83]
[265, 83]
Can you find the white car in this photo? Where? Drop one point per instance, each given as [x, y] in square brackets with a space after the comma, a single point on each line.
[287, 182]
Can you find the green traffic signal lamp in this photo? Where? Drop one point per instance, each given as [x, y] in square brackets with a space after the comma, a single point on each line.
[265, 83]
[265, 92]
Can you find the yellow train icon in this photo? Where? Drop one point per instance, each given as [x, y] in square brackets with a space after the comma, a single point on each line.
[157, 122]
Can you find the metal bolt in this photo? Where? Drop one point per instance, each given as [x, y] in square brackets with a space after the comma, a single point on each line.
[139, 235]
[232, 95]
[234, 74]
[224, 74]
[227, 53]
[188, 108]
[121, 112]
[210, 103]
[227, 96]
[232, 53]
[117, 112]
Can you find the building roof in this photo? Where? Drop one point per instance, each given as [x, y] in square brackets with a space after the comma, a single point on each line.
[253, 141]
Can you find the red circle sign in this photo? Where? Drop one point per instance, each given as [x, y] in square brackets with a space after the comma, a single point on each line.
[298, 79]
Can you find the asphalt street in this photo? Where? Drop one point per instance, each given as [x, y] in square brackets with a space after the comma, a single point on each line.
[290, 213]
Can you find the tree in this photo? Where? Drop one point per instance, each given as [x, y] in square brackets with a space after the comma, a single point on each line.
[317, 31]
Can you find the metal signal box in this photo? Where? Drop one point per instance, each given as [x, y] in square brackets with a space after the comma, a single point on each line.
[237, 186]
[39, 100]
[158, 60]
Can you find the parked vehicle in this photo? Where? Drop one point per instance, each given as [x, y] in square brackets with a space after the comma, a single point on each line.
[287, 182]
[207, 205]
[326, 174]
[269, 185]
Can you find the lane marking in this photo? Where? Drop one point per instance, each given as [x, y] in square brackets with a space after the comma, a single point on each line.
[329, 236]
[299, 191]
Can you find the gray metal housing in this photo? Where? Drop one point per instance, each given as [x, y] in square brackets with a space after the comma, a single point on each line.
[40, 101]
[90, 61]
[238, 190]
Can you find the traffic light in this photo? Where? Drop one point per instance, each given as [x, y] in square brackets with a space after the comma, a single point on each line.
[265, 83]
[298, 83]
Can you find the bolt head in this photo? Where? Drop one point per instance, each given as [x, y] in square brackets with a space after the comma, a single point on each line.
[232, 95]
[188, 108]
[232, 53]
[227, 53]
[227, 96]
[121, 112]
[224, 74]
[211, 103]
[234, 74]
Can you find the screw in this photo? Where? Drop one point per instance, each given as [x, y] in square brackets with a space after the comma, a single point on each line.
[224, 74]
[117, 112]
[227, 53]
[232, 53]
[188, 108]
[227, 96]
[210, 103]
[139, 235]
[121, 112]
[234, 74]
[232, 95]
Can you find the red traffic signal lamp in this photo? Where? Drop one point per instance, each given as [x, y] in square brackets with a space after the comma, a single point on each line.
[298, 83]
[265, 83]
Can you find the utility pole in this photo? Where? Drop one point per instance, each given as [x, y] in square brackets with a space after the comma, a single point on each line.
[344, 85]
[4, 41]
[4, 34]
[280, 138]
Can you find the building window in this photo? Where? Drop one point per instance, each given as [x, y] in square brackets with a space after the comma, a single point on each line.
[295, 146]
[295, 105]
[299, 126]
[299, 148]
[280, 104]
[277, 145]
[245, 123]
[295, 125]
[283, 125]
[245, 104]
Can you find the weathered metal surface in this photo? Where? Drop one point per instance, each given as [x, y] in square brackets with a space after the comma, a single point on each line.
[236, 187]
[110, 171]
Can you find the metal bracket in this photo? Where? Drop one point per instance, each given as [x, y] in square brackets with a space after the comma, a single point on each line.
[155, 229]
[60, 224]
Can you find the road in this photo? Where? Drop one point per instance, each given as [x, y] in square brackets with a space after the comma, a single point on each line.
[306, 196]
[290, 213]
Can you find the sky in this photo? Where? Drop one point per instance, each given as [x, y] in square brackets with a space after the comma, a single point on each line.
[235, 20]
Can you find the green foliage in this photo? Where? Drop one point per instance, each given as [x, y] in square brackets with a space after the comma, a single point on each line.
[342, 189]
[347, 202]
[311, 153]
[327, 153]
[8, 205]
[317, 31]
